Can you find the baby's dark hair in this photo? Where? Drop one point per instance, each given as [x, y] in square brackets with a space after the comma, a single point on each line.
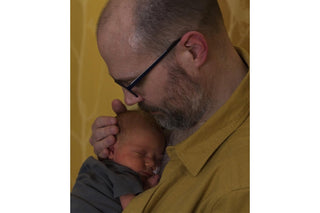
[130, 121]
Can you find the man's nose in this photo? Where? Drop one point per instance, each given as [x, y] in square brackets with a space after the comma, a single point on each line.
[130, 99]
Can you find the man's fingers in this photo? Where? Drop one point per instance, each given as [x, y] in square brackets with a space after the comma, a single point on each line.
[92, 141]
[101, 133]
[118, 106]
[101, 147]
[104, 129]
[103, 154]
[103, 121]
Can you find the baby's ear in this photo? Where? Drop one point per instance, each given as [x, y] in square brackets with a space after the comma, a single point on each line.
[111, 151]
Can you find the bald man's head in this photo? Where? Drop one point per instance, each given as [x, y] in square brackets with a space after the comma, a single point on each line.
[154, 24]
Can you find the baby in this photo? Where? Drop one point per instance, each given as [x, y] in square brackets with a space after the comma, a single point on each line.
[131, 168]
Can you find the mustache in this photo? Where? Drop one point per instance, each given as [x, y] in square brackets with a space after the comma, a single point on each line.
[148, 108]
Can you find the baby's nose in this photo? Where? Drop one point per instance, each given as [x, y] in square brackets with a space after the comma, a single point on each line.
[150, 164]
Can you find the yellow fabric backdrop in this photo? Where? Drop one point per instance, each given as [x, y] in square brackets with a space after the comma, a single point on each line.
[92, 89]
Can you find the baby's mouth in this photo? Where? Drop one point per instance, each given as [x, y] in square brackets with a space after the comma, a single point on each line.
[146, 174]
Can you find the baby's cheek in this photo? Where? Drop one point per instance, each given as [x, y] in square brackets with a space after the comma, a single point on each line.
[138, 164]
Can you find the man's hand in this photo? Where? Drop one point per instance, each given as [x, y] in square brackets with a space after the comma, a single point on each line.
[104, 130]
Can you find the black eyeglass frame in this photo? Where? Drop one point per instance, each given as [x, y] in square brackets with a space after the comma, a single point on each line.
[142, 75]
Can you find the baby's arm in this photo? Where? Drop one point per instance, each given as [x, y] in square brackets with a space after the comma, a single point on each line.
[125, 200]
[151, 182]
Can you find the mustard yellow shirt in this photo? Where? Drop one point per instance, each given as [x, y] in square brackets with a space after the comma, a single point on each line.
[208, 172]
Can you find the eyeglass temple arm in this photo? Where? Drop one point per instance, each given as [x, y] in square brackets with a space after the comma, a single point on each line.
[133, 83]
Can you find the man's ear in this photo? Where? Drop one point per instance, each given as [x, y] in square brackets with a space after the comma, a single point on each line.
[196, 44]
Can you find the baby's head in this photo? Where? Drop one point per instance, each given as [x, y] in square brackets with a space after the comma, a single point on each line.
[140, 143]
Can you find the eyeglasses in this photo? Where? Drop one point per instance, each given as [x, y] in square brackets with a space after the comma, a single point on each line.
[140, 77]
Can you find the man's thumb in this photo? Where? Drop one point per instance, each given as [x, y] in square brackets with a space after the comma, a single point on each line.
[118, 106]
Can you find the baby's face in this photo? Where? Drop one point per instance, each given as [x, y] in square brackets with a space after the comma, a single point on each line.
[141, 152]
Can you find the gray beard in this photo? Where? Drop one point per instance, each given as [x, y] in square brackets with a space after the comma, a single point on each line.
[170, 119]
[184, 104]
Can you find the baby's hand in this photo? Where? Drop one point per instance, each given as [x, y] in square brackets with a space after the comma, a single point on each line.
[151, 181]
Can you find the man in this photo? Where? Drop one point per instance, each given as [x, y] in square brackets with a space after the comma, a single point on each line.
[197, 87]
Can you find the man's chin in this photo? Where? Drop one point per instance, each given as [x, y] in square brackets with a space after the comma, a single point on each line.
[164, 121]
[161, 118]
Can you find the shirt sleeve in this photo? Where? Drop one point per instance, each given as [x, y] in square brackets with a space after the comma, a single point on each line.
[124, 180]
[99, 185]
[234, 201]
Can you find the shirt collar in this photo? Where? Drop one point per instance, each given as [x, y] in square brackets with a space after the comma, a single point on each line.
[197, 149]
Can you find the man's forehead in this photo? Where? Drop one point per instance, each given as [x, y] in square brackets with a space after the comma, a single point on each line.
[116, 53]
[125, 63]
